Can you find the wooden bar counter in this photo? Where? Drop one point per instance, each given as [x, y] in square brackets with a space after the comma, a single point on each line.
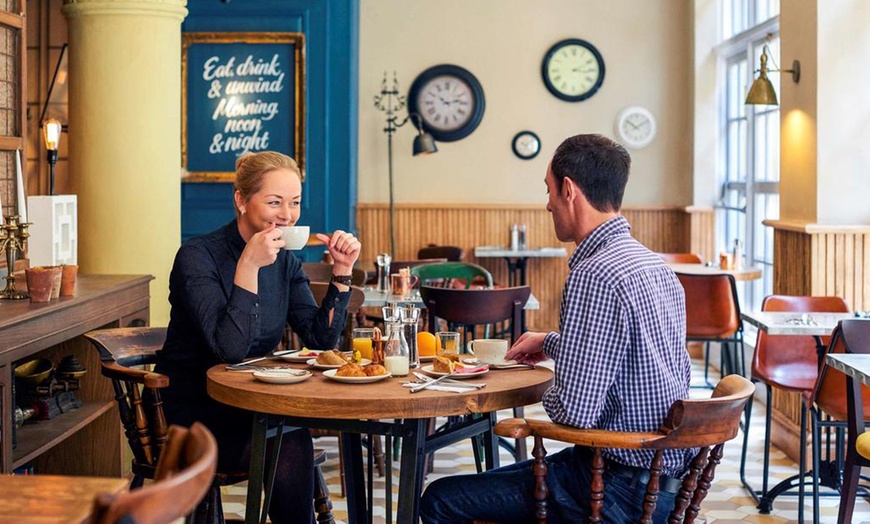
[83, 441]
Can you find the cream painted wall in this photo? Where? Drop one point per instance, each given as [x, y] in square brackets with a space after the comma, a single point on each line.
[647, 52]
[708, 168]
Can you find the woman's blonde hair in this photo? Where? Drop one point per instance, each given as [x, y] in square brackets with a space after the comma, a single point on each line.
[250, 168]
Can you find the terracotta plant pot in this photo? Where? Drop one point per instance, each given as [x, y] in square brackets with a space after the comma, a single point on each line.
[68, 280]
[55, 282]
[39, 280]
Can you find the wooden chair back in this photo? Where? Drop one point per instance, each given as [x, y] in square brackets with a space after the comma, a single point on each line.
[322, 271]
[446, 274]
[184, 474]
[476, 306]
[712, 309]
[681, 258]
[691, 423]
[449, 253]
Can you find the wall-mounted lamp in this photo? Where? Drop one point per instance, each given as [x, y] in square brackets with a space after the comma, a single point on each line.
[51, 129]
[761, 92]
[390, 101]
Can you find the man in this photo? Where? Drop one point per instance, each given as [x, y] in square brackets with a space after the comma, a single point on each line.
[620, 357]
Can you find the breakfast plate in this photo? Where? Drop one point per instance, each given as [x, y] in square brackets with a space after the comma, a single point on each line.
[302, 356]
[331, 374]
[279, 377]
[430, 370]
[313, 362]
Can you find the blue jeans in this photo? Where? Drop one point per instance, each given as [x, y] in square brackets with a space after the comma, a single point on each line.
[506, 494]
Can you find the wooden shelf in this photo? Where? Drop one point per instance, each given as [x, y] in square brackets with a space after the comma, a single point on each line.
[36, 439]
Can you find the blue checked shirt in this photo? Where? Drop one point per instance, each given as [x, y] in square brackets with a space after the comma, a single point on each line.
[620, 357]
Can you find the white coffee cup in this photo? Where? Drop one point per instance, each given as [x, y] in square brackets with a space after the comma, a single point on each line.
[489, 350]
[294, 237]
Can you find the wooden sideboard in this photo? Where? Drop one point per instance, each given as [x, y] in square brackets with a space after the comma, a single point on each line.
[87, 440]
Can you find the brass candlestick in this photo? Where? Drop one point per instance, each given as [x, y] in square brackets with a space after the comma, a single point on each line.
[13, 238]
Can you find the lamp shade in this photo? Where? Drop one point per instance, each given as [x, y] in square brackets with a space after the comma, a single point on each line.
[761, 92]
[424, 144]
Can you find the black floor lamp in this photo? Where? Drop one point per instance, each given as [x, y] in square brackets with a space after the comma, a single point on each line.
[390, 101]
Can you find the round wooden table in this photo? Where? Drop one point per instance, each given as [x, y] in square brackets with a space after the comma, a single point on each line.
[356, 409]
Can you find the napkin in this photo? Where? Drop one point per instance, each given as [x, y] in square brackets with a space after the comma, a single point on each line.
[440, 387]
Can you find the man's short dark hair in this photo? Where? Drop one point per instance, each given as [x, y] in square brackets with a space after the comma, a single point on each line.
[598, 165]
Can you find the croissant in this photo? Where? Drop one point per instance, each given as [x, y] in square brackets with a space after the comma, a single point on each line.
[331, 358]
[374, 370]
[350, 370]
[443, 365]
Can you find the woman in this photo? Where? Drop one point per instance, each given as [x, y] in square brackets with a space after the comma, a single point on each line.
[232, 292]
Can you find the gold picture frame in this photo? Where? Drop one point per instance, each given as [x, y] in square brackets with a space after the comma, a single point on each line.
[222, 65]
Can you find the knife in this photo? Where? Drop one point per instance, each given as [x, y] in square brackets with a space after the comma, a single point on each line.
[255, 360]
[452, 382]
[427, 384]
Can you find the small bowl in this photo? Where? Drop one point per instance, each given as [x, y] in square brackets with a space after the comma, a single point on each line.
[34, 371]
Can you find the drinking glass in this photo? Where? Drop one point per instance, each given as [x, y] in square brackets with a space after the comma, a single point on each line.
[447, 342]
[362, 341]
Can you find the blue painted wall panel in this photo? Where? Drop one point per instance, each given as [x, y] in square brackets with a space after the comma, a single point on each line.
[331, 29]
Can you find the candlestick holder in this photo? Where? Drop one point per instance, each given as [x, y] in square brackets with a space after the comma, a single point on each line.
[13, 238]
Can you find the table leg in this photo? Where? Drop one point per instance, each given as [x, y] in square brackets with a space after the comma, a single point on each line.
[269, 477]
[354, 477]
[256, 467]
[411, 470]
[490, 443]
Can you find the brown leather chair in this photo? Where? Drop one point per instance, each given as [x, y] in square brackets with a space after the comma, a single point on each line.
[713, 315]
[470, 307]
[827, 406]
[703, 423]
[448, 253]
[321, 272]
[127, 355]
[182, 478]
[784, 362]
[681, 258]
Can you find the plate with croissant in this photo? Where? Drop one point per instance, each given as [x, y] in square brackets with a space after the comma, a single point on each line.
[352, 373]
[332, 359]
[445, 366]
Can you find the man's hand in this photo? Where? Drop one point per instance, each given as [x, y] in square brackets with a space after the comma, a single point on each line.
[528, 349]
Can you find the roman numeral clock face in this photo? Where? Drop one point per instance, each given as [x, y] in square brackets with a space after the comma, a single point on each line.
[573, 70]
[449, 100]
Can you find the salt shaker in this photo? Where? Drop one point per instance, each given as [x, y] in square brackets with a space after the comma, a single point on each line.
[515, 237]
[383, 262]
[522, 238]
[737, 254]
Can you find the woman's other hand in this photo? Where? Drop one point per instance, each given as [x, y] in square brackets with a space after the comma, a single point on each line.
[344, 249]
[261, 250]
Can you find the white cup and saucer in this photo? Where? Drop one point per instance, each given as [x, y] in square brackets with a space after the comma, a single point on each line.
[294, 237]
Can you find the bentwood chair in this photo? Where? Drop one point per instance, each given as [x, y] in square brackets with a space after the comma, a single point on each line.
[451, 274]
[472, 307]
[681, 258]
[713, 315]
[183, 476]
[703, 423]
[127, 356]
[787, 363]
[856, 336]
[827, 406]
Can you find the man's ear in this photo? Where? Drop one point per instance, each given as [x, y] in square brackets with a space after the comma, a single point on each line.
[569, 189]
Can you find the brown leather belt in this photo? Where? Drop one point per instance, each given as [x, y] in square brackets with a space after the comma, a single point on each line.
[641, 476]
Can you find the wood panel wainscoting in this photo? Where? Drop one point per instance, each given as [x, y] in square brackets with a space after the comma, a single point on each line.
[815, 260]
[664, 229]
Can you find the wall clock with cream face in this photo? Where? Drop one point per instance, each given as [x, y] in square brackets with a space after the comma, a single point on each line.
[450, 101]
[526, 145]
[636, 127]
[573, 70]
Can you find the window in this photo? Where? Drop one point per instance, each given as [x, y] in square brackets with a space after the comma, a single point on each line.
[750, 188]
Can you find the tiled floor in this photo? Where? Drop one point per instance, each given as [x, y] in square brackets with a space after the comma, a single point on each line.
[726, 503]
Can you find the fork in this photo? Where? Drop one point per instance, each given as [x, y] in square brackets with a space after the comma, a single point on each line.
[449, 381]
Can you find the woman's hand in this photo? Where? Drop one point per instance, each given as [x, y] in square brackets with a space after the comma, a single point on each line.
[261, 250]
[344, 249]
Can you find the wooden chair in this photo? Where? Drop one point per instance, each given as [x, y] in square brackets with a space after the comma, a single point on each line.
[449, 253]
[480, 306]
[182, 477]
[127, 356]
[713, 315]
[704, 423]
[681, 258]
[787, 363]
[321, 272]
[856, 336]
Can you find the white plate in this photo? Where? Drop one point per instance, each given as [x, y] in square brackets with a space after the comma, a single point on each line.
[496, 365]
[313, 362]
[277, 377]
[354, 380]
[296, 357]
[430, 369]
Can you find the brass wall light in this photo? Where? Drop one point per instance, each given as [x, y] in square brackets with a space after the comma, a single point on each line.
[761, 92]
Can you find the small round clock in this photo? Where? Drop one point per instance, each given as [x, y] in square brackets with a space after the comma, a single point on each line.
[636, 127]
[526, 145]
[450, 101]
[573, 70]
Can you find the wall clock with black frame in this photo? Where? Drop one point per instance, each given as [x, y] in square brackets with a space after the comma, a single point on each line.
[573, 70]
[526, 145]
[449, 100]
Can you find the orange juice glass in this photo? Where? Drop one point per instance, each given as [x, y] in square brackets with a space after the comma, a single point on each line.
[447, 342]
[362, 341]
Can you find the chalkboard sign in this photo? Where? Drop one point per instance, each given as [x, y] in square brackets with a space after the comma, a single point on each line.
[240, 92]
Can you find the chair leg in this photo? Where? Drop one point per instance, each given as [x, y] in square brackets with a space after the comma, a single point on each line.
[322, 504]
[743, 451]
[209, 510]
[522, 452]
[802, 462]
[377, 447]
[340, 466]
[767, 428]
[817, 451]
